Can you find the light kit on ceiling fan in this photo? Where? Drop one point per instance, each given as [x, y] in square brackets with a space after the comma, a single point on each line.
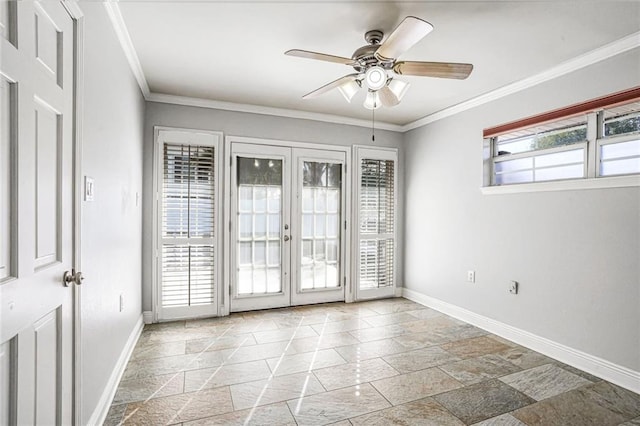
[376, 63]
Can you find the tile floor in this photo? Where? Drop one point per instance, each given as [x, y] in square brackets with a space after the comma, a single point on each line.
[375, 363]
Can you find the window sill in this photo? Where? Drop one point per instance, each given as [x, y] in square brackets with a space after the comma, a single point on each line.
[565, 185]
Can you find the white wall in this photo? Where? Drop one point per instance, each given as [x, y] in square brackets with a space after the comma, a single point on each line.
[576, 254]
[250, 125]
[111, 225]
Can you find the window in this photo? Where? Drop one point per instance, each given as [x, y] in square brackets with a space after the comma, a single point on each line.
[188, 231]
[376, 224]
[589, 140]
[619, 146]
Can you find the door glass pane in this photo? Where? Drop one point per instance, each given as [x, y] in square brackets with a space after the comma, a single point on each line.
[321, 195]
[259, 219]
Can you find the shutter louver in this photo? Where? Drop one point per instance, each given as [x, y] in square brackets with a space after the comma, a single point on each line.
[188, 206]
[377, 223]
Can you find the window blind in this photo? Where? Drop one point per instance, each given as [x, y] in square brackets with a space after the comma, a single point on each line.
[188, 231]
[377, 223]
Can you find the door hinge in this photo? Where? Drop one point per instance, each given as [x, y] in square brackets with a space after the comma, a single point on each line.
[231, 161]
[345, 225]
[344, 281]
[229, 226]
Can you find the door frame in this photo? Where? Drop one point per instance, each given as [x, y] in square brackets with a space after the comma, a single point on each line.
[77, 16]
[224, 308]
[156, 219]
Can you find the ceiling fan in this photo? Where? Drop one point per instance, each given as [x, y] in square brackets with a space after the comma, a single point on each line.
[375, 65]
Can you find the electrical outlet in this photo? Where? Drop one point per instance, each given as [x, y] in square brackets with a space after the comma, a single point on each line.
[513, 287]
[471, 276]
[121, 302]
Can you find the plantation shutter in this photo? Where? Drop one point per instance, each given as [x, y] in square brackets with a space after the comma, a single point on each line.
[188, 226]
[376, 222]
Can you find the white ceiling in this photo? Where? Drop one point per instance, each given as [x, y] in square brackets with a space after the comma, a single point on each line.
[234, 51]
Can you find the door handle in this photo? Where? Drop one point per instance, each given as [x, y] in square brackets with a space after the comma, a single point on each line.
[72, 277]
[286, 238]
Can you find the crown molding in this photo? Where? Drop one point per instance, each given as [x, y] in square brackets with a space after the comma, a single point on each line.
[279, 112]
[117, 21]
[607, 51]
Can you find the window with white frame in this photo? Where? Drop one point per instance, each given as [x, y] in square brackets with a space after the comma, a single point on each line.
[376, 192]
[187, 268]
[590, 144]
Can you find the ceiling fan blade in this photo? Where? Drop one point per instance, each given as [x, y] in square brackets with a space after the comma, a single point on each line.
[410, 31]
[319, 56]
[387, 97]
[434, 69]
[331, 86]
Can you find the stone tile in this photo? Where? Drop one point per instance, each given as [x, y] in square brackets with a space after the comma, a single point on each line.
[326, 341]
[425, 313]
[411, 386]
[482, 401]
[304, 362]
[225, 375]
[158, 350]
[463, 331]
[503, 341]
[253, 325]
[474, 370]
[424, 412]
[503, 420]
[149, 387]
[269, 415]
[472, 348]
[373, 349]
[544, 382]
[420, 359]
[439, 323]
[634, 422]
[182, 334]
[164, 326]
[171, 364]
[232, 319]
[390, 307]
[578, 372]
[284, 334]
[396, 318]
[115, 415]
[422, 340]
[179, 408]
[341, 326]
[219, 343]
[257, 352]
[378, 333]
[337, 405]
[524, 358]
[600, 404]
[274, 389]
[354, 373]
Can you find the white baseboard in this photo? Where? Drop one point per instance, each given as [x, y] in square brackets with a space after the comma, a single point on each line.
[147, 316]
[102, 409]
[599, 367]
[398, 291]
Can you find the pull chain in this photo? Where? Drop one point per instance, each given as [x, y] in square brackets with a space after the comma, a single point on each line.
[373, 122]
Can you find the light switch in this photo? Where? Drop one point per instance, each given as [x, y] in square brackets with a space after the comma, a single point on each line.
[88, 188]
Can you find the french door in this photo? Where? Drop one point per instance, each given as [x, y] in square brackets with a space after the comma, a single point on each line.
[287, 236]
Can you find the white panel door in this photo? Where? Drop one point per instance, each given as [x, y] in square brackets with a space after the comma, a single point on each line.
[36, 213]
